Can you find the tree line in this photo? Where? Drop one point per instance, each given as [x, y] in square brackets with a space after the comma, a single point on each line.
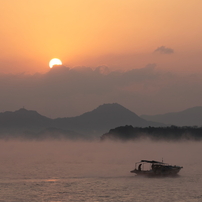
[170, 133]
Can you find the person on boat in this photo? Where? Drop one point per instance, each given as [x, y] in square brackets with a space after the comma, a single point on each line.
[139, 167]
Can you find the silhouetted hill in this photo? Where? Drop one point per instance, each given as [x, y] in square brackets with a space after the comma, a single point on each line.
[30, 124]
[188, 117]
[104, 118]
[23, 119]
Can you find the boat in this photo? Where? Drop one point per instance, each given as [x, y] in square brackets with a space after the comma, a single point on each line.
[155, 168]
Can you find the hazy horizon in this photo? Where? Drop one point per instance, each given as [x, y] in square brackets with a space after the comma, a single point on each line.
[68, 92]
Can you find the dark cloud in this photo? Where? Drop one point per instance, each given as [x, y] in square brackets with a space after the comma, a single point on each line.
[68, 92]
[164, 50]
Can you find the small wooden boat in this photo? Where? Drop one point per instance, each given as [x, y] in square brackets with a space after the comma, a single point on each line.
[155, 168]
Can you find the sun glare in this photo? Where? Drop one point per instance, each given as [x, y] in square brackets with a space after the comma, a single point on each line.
[55, 61]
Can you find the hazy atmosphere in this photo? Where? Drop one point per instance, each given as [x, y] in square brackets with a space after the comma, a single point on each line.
[64, 92]
[144, 55]
[92, 91]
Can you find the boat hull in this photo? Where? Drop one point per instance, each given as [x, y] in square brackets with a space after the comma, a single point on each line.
[163, 172]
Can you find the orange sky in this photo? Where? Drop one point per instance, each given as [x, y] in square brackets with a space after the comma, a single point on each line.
[120, 34]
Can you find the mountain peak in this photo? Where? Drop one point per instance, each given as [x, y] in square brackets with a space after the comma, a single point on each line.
[25, 112]
[21, 114]
[22, 110]
[110, 106]
[111, 110]
[112, 115]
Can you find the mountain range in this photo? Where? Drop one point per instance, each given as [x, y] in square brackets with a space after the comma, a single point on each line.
[29, 124]
[188, 117]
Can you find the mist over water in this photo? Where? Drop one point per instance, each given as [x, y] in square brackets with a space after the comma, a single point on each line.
[96, 171]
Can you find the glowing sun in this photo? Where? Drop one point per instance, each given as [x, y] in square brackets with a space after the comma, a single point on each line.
[55, 61]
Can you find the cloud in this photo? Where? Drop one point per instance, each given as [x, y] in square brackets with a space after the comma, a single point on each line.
[65, 92]
[164, 50]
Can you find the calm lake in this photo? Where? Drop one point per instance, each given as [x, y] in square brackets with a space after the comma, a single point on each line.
[57, 171]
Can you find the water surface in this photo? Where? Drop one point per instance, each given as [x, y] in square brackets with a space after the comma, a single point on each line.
[57, 171]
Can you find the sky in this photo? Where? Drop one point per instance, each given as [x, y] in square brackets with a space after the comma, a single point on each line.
[144, 55]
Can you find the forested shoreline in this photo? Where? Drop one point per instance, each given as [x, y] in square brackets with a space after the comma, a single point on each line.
[170, 133]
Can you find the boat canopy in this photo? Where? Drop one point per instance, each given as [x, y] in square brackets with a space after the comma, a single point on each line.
[146, 161]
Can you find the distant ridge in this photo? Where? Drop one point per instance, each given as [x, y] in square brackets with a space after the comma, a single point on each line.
[88, 125]
[189, 117]
[23, 118]
[103, 118]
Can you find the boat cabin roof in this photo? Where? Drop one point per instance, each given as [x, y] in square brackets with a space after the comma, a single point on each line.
[146, 161]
